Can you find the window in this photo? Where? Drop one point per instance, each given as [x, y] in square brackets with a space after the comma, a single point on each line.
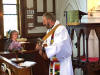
[10, 15]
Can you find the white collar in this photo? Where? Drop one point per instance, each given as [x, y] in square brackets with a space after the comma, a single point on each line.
[56, 23]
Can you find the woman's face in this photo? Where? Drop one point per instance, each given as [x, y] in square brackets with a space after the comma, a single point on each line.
[14, 35]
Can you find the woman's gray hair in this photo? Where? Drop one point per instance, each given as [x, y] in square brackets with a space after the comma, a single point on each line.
[11, 33]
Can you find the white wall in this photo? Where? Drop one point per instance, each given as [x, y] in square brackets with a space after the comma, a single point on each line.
[95, 15]
[65, 5]
[29, 3]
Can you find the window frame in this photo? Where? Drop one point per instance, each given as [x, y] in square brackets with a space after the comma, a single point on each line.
[17, 13]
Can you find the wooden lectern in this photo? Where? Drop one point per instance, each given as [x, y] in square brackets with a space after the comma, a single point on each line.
[40, 68]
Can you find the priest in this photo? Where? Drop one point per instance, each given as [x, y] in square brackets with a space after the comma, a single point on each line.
[56, 43]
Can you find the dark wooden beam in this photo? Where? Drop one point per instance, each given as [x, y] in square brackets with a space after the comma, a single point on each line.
[35, 12]
[45, 5]
[54, 6]
[1, 21]
[22, 14]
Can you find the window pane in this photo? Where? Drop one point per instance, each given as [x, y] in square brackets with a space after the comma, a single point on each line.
[10, 23]
[9, 9]
[9, 1]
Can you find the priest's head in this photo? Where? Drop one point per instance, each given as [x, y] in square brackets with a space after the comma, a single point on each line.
[48, 20]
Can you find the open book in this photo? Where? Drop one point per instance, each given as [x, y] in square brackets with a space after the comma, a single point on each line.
[27, 64]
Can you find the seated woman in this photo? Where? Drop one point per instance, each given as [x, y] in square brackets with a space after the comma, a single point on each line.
[12, 44]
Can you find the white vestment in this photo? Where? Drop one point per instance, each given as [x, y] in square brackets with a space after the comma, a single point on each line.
[61, 48]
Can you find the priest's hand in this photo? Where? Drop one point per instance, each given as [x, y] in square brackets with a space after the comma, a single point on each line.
[38, 47]
[41, 50]
[43, 53]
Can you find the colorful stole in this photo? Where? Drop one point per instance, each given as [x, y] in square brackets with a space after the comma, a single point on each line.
[54, 64]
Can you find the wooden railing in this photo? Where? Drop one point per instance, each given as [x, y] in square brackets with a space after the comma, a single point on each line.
[83, 30]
